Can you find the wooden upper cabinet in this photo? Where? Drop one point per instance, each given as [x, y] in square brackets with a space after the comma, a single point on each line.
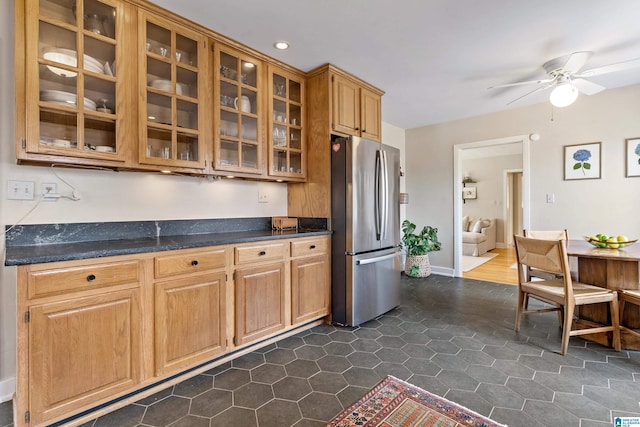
[238, 112]
[356, 109]
[370, 114]
[346, 105]
[287, 120]
[173, 72]
[74, 96]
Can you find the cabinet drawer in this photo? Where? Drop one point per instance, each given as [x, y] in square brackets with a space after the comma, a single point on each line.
[174, 265]
[263, 252]
[309, 247]
[73, 279]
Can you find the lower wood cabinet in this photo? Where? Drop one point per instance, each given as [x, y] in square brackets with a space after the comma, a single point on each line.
[310, 279]
[90, 331]
[189, 321]
[260, 301]
[82, 350]
[310, 295]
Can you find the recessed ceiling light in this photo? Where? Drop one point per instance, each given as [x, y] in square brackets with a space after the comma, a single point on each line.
[249, 65]
[281, 45]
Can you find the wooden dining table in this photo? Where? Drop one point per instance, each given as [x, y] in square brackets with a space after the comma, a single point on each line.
[612, 269]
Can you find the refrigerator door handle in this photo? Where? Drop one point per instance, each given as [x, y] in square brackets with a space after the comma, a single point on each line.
[378, 191]
[377, 259]
[385, 194]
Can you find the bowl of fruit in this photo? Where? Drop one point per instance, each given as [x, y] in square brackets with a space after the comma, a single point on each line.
[609, 242]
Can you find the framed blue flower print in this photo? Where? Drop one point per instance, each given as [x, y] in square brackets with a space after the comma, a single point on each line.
[633, 156]
[582, 161]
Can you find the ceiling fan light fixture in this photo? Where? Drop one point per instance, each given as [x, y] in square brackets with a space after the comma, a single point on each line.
[563, 95]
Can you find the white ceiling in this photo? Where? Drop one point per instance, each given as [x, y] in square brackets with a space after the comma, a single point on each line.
[434, 59]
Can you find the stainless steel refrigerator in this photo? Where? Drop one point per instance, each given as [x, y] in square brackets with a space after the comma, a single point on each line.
[365, 219]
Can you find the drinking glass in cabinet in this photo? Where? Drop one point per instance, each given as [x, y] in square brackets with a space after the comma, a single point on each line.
[99, 18]
[229, 153]
[186, 51]
[187, 147]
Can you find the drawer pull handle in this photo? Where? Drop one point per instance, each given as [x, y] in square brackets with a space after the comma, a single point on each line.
[194, 262]
[312, 247]
[91, 278]
[262, 253]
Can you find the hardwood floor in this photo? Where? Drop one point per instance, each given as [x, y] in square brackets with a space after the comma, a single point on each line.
[498, 269]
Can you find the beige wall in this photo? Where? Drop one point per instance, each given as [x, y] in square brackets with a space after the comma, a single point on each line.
[109, 196]
[608, 205]
[490, 176]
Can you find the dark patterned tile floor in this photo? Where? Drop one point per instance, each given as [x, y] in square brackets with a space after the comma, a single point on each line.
[453, 337]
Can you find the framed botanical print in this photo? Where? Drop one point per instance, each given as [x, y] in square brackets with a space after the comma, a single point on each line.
[582, 161]
[632, 149]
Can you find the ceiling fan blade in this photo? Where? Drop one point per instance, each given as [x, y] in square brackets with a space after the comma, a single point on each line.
[587, 87]
[611, 68]
[576, 61]
[522, 83]
[531, 93]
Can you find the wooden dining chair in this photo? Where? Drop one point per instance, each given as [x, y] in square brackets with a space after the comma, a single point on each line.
[545, 235]
[633, 297]
[563, 293]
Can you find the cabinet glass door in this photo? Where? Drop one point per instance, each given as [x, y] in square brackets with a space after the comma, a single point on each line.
[238, 145]
[78, 80]
[172, 67]
[286, 131]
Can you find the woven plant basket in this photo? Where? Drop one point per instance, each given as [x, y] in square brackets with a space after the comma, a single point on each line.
[422, 261]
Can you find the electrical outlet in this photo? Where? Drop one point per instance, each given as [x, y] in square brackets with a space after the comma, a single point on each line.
[49, 188]
[20, 190]
[262, 196]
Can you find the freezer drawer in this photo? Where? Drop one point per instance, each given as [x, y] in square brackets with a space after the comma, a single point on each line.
[373, 285]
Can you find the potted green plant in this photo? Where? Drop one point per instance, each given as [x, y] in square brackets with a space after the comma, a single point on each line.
[417, 247]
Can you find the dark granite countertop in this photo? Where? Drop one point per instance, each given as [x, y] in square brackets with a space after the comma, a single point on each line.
[63, 247]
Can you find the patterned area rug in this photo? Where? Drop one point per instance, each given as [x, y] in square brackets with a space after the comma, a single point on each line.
[395, 403]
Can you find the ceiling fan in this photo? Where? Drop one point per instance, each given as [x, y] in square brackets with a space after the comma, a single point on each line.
[564, 75]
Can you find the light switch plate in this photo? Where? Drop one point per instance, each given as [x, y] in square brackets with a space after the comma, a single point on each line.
[20, 190]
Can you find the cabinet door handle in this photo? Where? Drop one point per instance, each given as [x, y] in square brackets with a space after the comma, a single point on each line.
[194, 262]
[91, 278]
[312, 247]
[357, 128]
[364, 130]
[262, 253]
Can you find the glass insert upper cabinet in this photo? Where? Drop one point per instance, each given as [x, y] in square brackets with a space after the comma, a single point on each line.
[287, 147]
[238, 145]
[76, 76]
[173, 77]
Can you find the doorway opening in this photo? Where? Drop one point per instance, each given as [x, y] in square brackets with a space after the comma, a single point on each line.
[514, 183]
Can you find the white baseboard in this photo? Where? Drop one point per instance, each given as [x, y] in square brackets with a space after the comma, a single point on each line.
[443, 271]
[7, 389]
[501, 245]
